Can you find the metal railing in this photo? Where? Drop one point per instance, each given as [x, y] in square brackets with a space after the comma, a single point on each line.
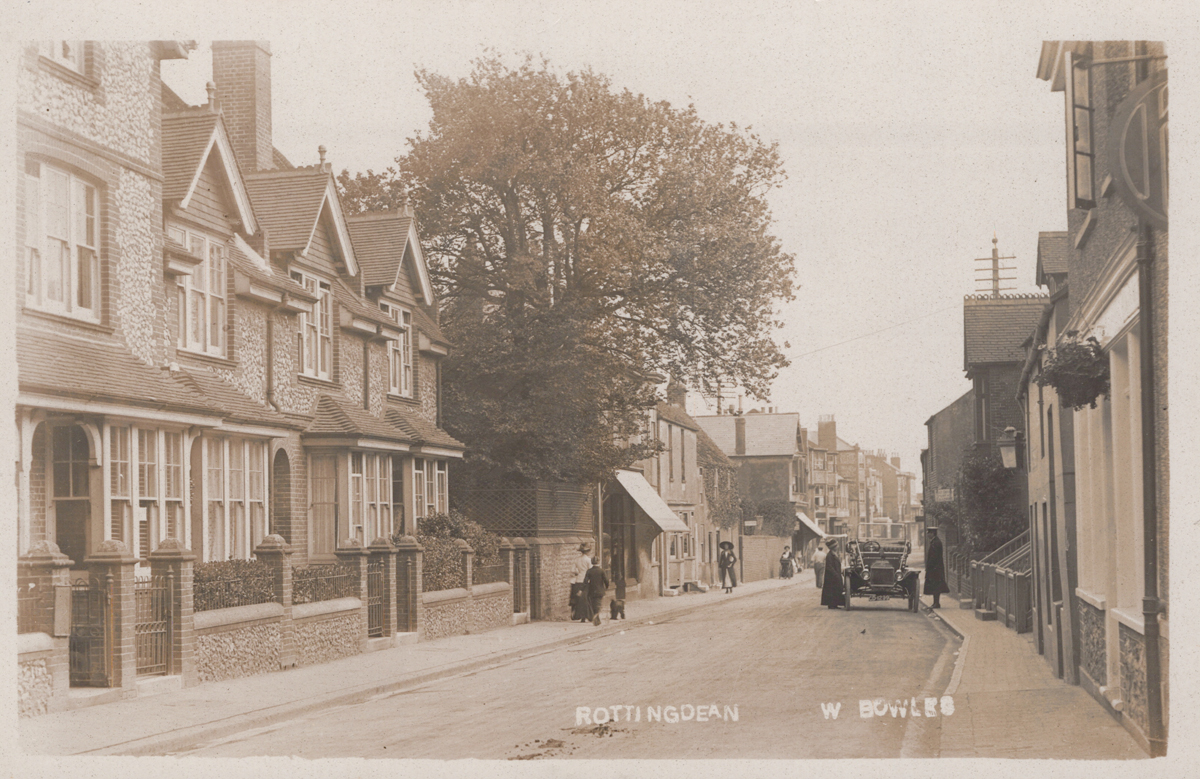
[1002, 582]
[323, 582]
[486, 574]
[29, 602]
[152, 599]
[90, 661]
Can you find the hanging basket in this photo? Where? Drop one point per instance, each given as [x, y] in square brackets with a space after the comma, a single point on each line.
[1077, 369]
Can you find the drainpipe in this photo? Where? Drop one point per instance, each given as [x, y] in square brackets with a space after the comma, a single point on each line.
[1156, 734]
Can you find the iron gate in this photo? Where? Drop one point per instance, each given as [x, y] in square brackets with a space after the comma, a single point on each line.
[375, 599]
[91, 633]
[152, 596]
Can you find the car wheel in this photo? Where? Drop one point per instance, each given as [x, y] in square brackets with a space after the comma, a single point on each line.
[914, 601]
[847, 580]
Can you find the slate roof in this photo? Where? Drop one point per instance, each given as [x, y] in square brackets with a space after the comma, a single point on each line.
[421, 429]
[767, 435]
[53, 364]
[234, 404]
[708, 451]
[288, 203]
[676, 415]
[334, 418]
[1053, 252]
[379, 241]
[995, 328]
[426, 324]
[185, 138]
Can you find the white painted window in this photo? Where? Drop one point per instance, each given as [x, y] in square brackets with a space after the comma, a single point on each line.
[400, 353]
[69, 54]
[235, 494]
[316, 328]
[430, 487]
[370, 496]
[200, 295]
[1080, 154]
[62, 242]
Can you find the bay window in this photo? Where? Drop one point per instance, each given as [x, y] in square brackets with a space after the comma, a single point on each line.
[200, 295]
[118, 461]
[370, 496]
[430, 487]
[62, 240]
[235, 497]
[316, 328]
[147, 475]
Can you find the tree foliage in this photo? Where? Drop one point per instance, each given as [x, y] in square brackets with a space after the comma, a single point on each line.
[580, 236]
[777, 517]
[992, 511]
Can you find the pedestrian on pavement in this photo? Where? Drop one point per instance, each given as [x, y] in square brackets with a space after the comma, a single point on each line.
[832, 594]
[725, 562]
[579, 569]
[797, 561]
[595, 584]
[818, 561]
[785, 563]
[935, 568]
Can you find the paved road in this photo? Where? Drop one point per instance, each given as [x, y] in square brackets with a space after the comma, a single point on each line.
[776, 657]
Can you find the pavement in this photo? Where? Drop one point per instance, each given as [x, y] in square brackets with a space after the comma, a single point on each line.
[160, 724]
[1009, 704]
[1003, 691]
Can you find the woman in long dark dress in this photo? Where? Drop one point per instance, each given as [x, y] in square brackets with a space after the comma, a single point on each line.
[832, 593]
[725, 561]
[785, 564]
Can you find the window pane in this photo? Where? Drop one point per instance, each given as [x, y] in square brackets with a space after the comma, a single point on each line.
[86, 278]
[57, 204]
[1081, 87]
[1083, 129]
[56, 252]
[217, 332]
[1083, 177]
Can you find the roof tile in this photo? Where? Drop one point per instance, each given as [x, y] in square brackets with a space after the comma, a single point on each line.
[994, 328]
[288, 203]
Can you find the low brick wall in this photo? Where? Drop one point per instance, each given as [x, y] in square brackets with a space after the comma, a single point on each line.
[551, 562]
[460, 611]
[239, 641]
[35, 683]
[328, 630]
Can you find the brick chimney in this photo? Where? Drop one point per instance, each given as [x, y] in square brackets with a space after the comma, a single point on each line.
[242, 73]
[896, 461]
[677, 394]
[827, 433]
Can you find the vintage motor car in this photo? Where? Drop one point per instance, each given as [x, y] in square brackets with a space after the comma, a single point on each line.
[879, 571]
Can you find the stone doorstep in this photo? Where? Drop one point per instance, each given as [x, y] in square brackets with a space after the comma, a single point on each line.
[520, 618]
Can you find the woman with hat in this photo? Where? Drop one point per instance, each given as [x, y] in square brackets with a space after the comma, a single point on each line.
[580, 607]
[725, 561]
[832, 594]
[818, 560]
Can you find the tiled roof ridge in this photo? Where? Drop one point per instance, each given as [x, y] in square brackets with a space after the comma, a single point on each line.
[1052, 233]
[985, 297]
[377, 215]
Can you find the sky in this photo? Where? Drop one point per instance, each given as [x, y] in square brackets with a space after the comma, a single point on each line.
[911, 134]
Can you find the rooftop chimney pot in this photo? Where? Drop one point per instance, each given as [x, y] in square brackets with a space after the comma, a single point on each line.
[212, 96]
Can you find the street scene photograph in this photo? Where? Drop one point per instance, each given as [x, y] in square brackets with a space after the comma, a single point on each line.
[402, 384]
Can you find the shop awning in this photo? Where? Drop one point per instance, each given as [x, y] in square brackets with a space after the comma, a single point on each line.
[655, 507]
[808, 525]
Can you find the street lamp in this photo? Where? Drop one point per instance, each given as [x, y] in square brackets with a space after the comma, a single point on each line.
[1011, 448]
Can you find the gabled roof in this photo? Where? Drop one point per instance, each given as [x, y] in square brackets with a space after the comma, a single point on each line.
[334, 418]
[767, 435]
[243, 257]
[1053, 252]
[347, 297]
[234, 404]
[426, 324]
[676, 415]
[381, 240]
[708, 453]
[291, 204]
[189, 140]
[995, 327]
[54, 364]
[420, 429]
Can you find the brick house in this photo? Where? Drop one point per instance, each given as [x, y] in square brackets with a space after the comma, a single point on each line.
[1113, 286]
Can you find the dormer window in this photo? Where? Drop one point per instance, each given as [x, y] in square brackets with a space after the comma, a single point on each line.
[200, 295]
[400, 364]
[62, 241]
[316, 328]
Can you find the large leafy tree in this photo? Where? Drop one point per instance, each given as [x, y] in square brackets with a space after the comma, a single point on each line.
[581, 236]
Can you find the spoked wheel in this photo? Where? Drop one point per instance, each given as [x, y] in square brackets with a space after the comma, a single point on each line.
[847, 580]
[914, 600]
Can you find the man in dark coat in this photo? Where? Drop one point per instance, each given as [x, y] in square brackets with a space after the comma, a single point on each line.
[595, 584]
[833, 593]
[935, 568]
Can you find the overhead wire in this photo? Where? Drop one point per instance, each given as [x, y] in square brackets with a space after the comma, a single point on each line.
[877, 332]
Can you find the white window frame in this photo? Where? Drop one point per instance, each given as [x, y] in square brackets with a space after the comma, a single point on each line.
[1081, 152]
[400, 352]
[316, 328]
[370, 495]
[201, 296]
[233, 497]
[76, 249]
[69, 54]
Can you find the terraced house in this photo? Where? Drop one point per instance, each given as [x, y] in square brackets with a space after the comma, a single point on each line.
[209, 351]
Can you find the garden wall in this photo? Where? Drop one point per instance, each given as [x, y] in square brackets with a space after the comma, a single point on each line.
[460, 611]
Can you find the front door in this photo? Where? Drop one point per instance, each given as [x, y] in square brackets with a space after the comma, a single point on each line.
[72, 498]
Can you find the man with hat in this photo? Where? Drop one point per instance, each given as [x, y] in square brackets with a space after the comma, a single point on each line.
[578, 599]
[935, 567]
[832, 593]
[725, 562]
